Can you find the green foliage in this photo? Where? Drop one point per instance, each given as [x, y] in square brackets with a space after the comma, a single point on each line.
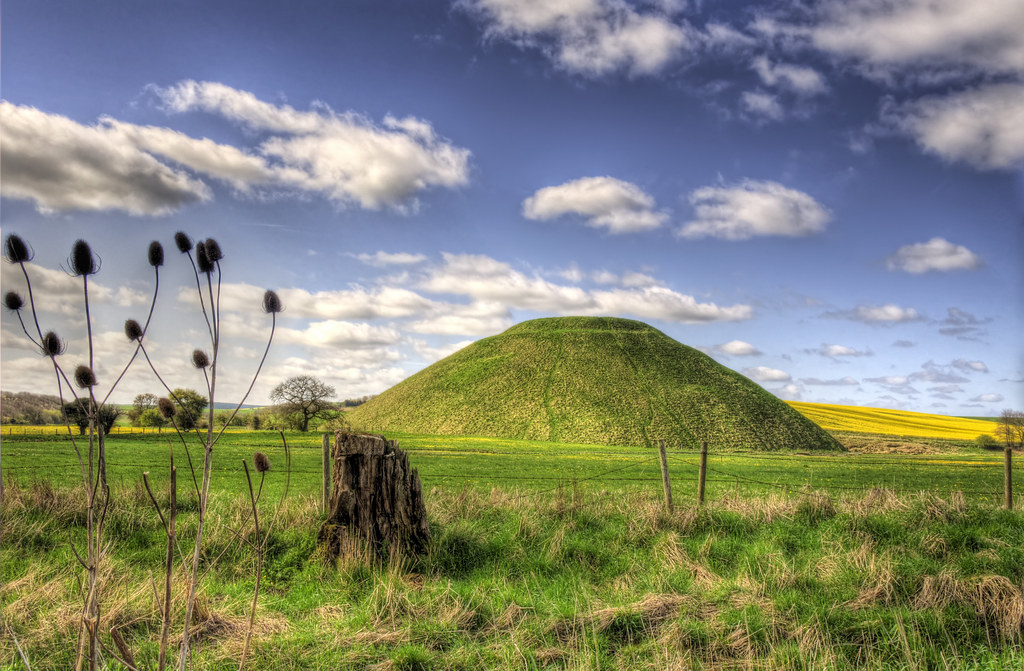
[27, 408]
[191, 405]
[140, 405]
[987, 442]
[593, 380]
[150, 417]
[77, 413]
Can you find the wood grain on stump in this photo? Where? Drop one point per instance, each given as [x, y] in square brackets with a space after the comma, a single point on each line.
[376, 499]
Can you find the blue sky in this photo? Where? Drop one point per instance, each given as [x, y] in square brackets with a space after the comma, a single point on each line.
[825, 196]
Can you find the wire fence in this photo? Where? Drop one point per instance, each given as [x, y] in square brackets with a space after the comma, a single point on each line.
[724, 471]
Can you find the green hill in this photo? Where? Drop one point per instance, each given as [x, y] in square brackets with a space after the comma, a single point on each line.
[595, 380]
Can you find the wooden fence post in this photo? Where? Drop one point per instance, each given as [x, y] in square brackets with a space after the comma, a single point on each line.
[326, 464]
[703, 472]
[1008, 457]
[664, 475]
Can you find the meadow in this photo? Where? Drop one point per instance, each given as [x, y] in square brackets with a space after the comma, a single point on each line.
[547, 555]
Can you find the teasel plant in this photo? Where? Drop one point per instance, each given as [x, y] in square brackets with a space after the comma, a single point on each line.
[205, 258]
[80, 388]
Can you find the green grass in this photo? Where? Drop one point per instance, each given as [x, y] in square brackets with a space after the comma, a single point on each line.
[593, 380]
[548, 555]
[580, 580]
[453, 462]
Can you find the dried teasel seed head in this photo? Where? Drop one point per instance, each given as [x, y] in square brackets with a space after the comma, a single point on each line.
[202, 260]
[183, 242]
[133, 330]
[16, 250]
[200, 359]
[155, 254]
[213, 251]
[52, 344]
[261, 462]
[271, 302]
[84, 377]
[166, 408]
[13, 301]
[82, 260]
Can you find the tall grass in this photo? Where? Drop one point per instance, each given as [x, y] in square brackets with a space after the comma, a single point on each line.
[566, 580]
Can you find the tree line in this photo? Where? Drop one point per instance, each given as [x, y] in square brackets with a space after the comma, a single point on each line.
[302, 403]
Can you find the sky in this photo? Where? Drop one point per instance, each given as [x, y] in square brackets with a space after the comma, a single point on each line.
[825, 196]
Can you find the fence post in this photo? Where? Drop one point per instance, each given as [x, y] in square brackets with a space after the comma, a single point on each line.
[703, 472]
[1008, 457]
[326, 454]
[664, 475]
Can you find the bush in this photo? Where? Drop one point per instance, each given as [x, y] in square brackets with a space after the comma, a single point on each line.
[987, 442]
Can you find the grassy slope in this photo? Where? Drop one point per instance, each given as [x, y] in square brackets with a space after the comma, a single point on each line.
[893, 422]
[590, 380]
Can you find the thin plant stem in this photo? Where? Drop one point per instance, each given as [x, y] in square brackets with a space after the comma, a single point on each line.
[138, 346]
[31, 299]
[259, 565]
[270, 340]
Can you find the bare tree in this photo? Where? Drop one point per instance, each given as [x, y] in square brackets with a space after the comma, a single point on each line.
[306, 396]
[1011, 428]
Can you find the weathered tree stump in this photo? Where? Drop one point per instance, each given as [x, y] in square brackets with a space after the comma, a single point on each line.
[376, 499]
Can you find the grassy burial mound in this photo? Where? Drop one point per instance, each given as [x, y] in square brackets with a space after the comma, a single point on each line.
[595, 380]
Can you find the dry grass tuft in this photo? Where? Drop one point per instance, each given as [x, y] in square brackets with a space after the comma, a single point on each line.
[998, 603]
[877, 500]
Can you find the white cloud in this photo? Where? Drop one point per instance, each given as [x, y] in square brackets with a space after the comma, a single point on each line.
[970, 366]
[983, 127]
[379, 259]
[605, 202]
[723, 37]
[892, 380]
[877, 314]
[336, 334]
[800, 79]
[737, 348]
[356, 303]
[343, 156]
[633, 279]
[432, 354]
[480, 318]
[938, 254]
[833, 351]
[592, 38]
[934, 38]
[789, 392]
[765, 374]
[62, 165]
[762, 106]
[485, 279]
[752, 209]
[57, 292]
[963, 325]
[988, 398]
[841, 382]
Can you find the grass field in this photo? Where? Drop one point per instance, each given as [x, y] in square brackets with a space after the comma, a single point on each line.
[548, 555]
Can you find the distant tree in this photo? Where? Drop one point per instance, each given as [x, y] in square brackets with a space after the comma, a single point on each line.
[152, 418]
[190, 405]
[305, 397]
[78, 414]
[222, 417]
[27, 408]
[356, 402]
[141, 404]
[1011, 428]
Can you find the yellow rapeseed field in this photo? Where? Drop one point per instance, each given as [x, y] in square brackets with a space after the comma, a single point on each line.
[893, 422]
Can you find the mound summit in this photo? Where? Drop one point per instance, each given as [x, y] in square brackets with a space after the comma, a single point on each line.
[595, 380]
